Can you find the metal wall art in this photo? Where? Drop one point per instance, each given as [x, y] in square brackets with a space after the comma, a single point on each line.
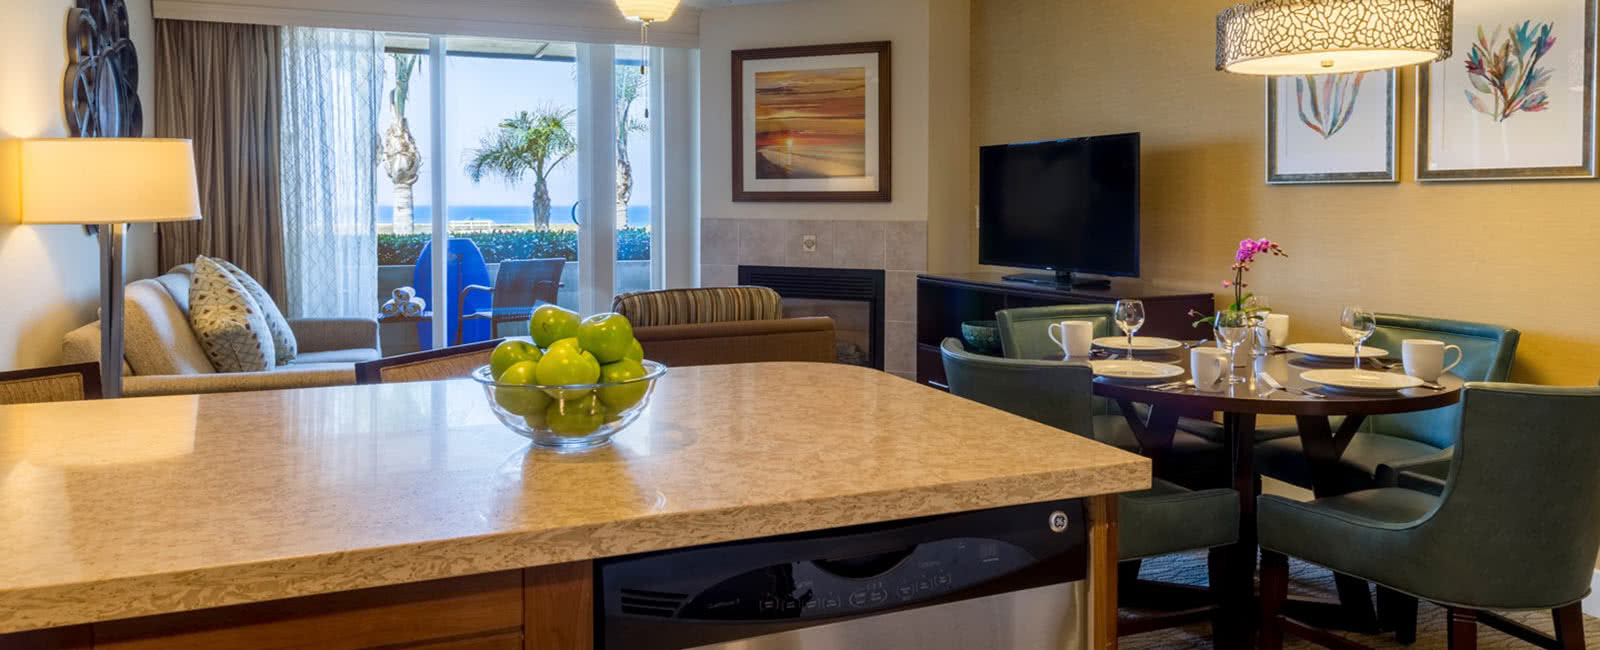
[102, 82]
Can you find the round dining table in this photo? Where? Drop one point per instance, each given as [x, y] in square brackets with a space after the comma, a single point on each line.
[1242, 403]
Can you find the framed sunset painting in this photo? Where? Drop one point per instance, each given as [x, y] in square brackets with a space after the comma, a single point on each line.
[1335, 128]
[812, 123]
[1516, 99]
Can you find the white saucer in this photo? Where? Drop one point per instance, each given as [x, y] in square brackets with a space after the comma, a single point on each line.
[1361, 382]
[1140, 343]
[1135, 372]
[1337, 351]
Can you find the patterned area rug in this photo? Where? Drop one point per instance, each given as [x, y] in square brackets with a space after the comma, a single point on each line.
[1309, 580]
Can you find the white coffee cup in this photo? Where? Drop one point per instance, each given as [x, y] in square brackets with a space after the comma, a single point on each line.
[1424, 358]
[1076, 337]
[1278, 329]
[1208, 366]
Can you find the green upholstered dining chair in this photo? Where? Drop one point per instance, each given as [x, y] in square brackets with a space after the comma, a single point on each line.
[1390, 444]
[1164, 519]
[1516, 528]
[1025, 334]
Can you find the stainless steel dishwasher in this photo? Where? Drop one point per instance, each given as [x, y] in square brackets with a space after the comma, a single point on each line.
[1002, 579]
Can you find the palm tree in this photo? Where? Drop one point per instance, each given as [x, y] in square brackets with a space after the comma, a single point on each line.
[630, 85]
[402, 161]
[534, 142]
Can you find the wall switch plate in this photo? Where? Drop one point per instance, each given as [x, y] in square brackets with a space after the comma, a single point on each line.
[808, 243]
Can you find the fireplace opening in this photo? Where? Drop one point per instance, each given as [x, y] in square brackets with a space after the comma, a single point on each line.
[853, 298]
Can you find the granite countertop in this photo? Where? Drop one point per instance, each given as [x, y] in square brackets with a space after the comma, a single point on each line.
[145, 506]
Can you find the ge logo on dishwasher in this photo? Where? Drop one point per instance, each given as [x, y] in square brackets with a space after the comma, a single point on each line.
[1058, 522]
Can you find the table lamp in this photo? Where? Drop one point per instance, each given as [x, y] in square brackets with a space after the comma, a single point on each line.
[109, 182]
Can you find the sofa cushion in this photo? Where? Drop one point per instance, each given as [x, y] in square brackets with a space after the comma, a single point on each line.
[177, 284]
[283, 341]
[157, 339]
[230, 326]
[353, 355]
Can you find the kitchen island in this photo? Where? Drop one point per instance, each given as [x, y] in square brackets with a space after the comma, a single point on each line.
[406, 515]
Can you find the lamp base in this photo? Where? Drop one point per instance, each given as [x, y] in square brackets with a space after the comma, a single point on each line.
[111, 309]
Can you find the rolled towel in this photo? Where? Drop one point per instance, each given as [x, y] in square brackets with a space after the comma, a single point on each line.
[404, 294]
[391, 308]
[413, 307]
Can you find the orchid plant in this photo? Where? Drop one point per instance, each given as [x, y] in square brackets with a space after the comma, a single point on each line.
[1242, 259]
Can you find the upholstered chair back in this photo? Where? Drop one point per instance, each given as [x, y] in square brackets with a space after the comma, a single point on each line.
[1487, 352]
[1059, 394]
[1025, 331]
[74, 382]
[429, 365]
[698, 306]
[1518, 526]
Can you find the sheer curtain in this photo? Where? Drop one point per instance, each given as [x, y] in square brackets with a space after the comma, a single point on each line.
[332, 88]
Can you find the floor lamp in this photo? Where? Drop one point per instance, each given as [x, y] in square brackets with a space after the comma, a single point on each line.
[110, 183]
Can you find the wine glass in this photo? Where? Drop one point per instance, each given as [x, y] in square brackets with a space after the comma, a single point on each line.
[1130, 317]
[1358, 324]
[1233, 327]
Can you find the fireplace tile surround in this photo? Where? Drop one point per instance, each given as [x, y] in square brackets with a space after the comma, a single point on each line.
[899, 248]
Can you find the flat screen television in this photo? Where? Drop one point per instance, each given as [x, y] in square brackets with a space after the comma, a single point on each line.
[1069, 206]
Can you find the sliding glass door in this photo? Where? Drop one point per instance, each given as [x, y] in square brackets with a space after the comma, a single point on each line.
[511, 168]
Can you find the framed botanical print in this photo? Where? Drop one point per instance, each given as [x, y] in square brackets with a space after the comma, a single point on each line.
[1333, 128]
[1516, 100]
[812, 123]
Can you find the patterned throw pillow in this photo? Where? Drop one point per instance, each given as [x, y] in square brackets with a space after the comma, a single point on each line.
[283, 341]
[229, 324]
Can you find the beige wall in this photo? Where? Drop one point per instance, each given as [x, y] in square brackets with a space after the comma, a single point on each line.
[49, 282]
[1518, 254]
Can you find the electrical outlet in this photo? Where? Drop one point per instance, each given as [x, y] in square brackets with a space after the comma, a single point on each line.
[808, 243]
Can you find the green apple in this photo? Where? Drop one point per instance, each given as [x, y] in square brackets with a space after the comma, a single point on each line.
[551, 323]
[569, 342]
[606, 336]
[618, 398]
[575, 417]
[566, 365]
[510, 353]
[635, 351]
[521, 401]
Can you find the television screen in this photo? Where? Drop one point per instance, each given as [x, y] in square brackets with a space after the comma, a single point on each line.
[1065, 205]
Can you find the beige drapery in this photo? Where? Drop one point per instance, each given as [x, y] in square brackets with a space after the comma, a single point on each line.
[219, 85]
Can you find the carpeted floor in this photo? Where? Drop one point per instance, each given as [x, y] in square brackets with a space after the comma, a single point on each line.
[1308, 580]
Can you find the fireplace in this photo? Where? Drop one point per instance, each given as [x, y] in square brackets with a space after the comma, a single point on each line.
[853, 298]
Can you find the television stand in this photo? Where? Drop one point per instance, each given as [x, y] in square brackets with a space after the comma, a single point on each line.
[1060, 280]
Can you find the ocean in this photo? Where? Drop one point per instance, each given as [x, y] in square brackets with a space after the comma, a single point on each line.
[511, 215]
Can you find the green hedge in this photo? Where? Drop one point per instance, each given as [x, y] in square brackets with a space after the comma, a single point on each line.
[402, 250]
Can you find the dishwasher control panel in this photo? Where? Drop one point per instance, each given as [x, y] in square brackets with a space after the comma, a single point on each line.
[823, 588]
[791, 581]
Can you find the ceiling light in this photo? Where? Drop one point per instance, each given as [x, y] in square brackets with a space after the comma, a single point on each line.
[1295, 37]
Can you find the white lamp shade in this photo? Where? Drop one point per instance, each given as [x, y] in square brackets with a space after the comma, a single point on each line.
[648, 10]
[107, 180]
[1300, 37]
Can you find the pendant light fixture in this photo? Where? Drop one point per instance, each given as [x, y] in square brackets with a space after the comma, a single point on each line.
[1298, 37]
[647, 12]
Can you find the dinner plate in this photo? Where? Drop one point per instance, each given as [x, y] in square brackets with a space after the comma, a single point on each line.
[1337, 351]
[1135, 372]
[1361, 382]
[1140, 343]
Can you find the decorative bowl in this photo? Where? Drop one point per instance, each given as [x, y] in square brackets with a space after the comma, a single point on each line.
[569, 418]
[982, 336]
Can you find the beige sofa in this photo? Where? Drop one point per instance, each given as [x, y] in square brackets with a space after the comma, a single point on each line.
[163, 357]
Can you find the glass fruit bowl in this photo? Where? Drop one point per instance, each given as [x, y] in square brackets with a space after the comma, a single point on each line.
[570, 417]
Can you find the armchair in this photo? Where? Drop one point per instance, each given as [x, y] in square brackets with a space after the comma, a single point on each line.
[1516, 527]
[1164, 519]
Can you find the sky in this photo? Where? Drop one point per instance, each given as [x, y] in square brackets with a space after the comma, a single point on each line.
[481, 92]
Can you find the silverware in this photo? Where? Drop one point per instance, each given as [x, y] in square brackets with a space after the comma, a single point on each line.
[1433, 386]
[1272, 382]
[1196, 344]
[1387, 365]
